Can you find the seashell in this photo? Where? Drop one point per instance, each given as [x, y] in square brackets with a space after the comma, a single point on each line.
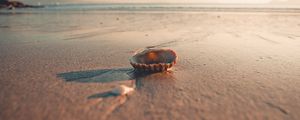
[154, 60]
[122, 90]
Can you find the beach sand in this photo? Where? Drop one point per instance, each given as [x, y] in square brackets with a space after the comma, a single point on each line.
[239, 65]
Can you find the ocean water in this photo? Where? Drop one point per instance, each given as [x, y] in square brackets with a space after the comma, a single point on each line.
[58, 7]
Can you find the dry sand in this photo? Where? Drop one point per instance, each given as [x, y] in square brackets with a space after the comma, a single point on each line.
[231, 66]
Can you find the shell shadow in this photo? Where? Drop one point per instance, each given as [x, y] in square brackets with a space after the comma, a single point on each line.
[106, 76]
[102, 75]
[102, 95]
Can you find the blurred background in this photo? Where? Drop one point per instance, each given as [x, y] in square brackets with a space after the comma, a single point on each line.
[235, 3]
[271, 2]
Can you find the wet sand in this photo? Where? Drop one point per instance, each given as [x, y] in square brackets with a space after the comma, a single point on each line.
[231, 66]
